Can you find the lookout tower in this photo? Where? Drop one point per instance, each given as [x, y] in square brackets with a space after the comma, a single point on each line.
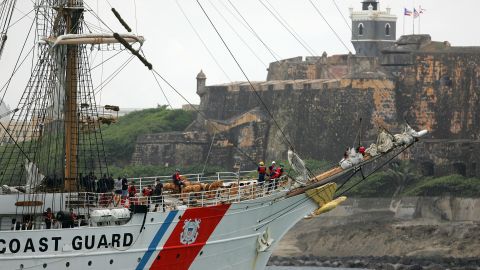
[372, 29]
[201, 81]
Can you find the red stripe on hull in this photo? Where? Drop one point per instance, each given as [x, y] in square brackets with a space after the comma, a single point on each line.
[176, 255]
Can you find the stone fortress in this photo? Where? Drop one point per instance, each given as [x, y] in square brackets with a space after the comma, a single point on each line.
[318, 101]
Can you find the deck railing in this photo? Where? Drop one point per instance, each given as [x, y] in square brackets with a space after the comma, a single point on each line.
[231, 192]
[141, 182]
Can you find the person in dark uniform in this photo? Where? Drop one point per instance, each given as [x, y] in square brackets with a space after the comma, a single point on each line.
[48, 215]
[157, 195]
[124, 187]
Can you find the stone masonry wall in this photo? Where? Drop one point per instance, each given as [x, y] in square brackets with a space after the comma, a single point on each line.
[318, 102]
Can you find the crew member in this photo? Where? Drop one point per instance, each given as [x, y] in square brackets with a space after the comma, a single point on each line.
[132, 190]
[147, 192]
[48, 215]
[262, 171]
[124, 187]
[271, 169]
[279, 171]
[72, 218]
[276, 175]
[361, 150]
[157, 193]
[177, 180]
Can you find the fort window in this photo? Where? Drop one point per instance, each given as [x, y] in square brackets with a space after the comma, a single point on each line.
[387, 29]
[427, 168]
[460, 168]
[360, 29]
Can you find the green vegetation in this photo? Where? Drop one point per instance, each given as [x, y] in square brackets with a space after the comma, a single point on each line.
[401, 179]
[120, 138]
[447, 185]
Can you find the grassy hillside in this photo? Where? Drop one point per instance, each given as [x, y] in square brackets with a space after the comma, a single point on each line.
[120, 138]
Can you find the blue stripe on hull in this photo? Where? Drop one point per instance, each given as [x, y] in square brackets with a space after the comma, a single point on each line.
[156, 239]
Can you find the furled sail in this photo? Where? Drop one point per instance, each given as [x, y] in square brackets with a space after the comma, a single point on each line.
[34, 177]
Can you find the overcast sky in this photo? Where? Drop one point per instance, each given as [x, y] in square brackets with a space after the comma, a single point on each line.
[178, 54]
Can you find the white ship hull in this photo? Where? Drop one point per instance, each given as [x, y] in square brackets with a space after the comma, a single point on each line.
[224, 236]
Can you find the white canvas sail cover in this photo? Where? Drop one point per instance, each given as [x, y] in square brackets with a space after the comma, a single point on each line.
[353, 158]
[385, 141]
[34, 177]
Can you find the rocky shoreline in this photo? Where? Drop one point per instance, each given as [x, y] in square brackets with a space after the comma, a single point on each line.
[414, 233]
[383, 262]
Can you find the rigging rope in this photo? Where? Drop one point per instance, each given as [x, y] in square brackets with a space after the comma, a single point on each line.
[284, 25]
[237, 34]
[245, 75]
[202, 41]
[161, 89]
[5, 88]
[201, 113]
[113, 75]
[331, 28]
[341, 14]
[274, 55]
[208, 154]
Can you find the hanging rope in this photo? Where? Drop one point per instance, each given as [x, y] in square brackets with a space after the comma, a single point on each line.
[291, 31]
[209, 151]
[245, 75]
[202, 41]
[249, 27]
[331, 28]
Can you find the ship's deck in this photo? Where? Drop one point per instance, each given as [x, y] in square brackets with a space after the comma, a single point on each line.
[196, 194]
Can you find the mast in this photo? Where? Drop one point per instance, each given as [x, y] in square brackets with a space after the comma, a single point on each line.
[56, 127]
[72, 16]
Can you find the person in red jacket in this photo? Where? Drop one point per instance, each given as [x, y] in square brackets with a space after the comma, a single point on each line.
[262, 171]
[132, 190]
[277, 174]
[271, 169]
[177, 180]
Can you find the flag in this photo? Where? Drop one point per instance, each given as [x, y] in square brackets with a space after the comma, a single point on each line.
[415, 13]
[407, 12]
[421, 10]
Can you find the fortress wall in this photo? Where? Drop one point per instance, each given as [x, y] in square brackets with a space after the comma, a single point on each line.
[322, 67]
[320, 117]
[441, 92]
[431, 84]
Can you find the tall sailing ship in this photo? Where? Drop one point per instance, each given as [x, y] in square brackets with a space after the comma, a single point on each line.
[53, 140]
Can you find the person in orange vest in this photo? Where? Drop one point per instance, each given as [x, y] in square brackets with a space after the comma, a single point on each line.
[262, 171]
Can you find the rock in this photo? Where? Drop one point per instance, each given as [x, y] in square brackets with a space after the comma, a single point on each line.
[434, 267]
[415, 267]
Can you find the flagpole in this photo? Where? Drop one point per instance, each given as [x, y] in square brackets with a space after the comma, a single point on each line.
[419, 22]
[404, 22]
[413, 24]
